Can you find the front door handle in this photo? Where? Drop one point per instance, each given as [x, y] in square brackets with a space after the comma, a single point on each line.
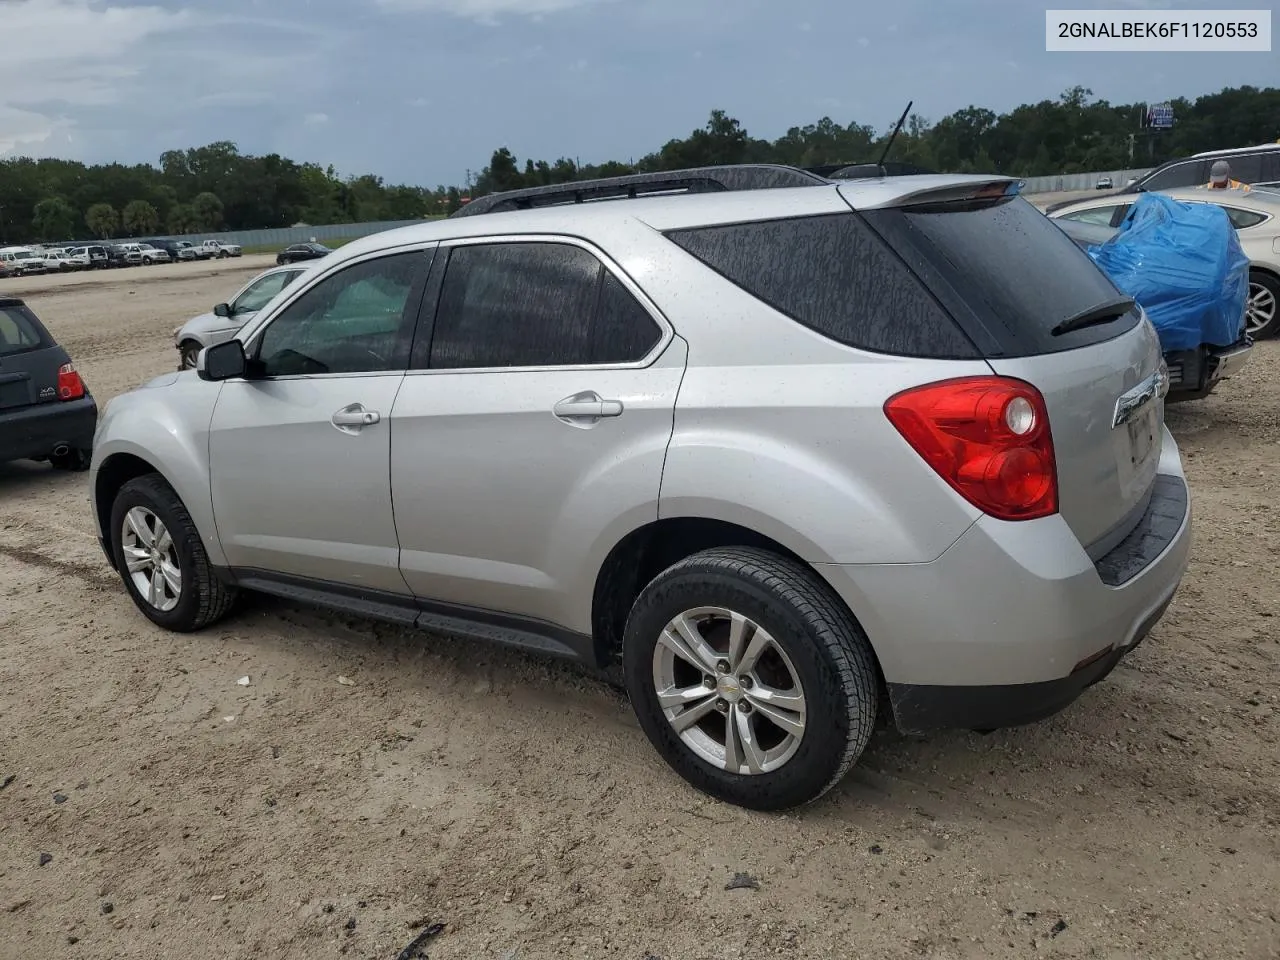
[354, 417]
[586, 407]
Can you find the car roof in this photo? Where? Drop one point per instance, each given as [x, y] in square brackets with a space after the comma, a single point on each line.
[672, 211]
[1260, 148]
[1259, 200]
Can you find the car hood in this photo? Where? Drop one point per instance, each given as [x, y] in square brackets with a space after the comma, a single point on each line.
[211, 322]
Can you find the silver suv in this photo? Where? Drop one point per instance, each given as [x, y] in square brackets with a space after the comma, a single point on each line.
[791, 452]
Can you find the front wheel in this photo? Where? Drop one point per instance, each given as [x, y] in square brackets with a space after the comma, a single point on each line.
[750, 678]
[162, 560]
[189, 352]
[1262, 313]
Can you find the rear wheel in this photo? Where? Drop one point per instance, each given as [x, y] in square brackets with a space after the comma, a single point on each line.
[1262, 316]
[750, 678]
[162, 560]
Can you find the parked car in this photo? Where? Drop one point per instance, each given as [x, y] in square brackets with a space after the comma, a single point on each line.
[219, 250]
[773, 456]
[1104, 183]
[298, 252]
[1248, 165]
[178, 250]
[1255, 214]
[46, 410]
[153, 254]
[226, 318]
[56, 261]
[1193, 373]
[22, 260]
[90, 257]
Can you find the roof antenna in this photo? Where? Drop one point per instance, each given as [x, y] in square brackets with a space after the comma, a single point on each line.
[893, 136]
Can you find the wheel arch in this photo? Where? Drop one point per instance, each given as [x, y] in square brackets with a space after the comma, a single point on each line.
[646, 551]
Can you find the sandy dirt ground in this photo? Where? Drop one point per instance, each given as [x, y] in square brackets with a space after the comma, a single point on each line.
[517, 801]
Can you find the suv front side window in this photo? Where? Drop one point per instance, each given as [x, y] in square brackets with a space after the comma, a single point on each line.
[534, 304]
[258, 294]
[357, 320]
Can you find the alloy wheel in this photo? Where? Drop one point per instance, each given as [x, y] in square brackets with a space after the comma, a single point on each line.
[1260, 308]
[152, 559]
[729, 691]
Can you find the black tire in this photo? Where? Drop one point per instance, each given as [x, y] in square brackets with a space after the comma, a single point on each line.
[1272, 285]
[831, 656]
[204, 599]
[189, 351]
[73, 460]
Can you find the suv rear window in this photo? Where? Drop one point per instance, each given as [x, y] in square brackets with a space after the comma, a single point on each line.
[1006, 271]
[832, 274]
[19, 331]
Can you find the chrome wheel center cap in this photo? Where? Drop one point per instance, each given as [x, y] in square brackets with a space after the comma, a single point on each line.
[729, 688]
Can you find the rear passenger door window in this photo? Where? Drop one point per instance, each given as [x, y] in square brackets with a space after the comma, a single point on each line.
[533, 304]
[1193, 173]
[1101, 216]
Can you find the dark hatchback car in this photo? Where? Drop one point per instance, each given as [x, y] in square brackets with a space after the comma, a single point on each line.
[46, 410]
[302, 251]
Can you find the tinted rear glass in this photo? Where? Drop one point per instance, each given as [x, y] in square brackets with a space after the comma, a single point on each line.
[835, 276]
[1007, 268]
[20, 331]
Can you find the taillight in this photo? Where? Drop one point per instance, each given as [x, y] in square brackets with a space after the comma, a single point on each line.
[70, 386]
[988, 437]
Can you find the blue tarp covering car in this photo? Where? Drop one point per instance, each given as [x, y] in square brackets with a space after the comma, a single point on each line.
[1183, 263]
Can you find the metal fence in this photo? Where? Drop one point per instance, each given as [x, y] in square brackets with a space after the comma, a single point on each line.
[283, 236]
[1080, 181]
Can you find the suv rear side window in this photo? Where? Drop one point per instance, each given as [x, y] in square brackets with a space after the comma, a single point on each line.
[535, 305]
[835, 276]
[1008, 267]
[18, 331]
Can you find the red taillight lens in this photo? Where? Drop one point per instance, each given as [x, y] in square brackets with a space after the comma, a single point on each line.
[70, 386]
[988, 437]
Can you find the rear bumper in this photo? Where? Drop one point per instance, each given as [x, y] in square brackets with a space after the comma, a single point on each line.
[35, 432]
[1194, 373]
[1015, 620]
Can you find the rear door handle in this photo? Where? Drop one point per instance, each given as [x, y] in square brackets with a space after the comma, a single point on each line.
[354, 417]
[588, 406]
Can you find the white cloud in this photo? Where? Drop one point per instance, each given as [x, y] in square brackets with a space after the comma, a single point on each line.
[864, 42]
[315, 119]
[487, 11]
[61, 53]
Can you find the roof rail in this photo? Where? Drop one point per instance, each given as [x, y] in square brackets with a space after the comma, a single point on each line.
[746, 176]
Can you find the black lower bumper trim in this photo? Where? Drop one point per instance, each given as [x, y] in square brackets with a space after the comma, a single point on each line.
[921, 707]
[34, 432]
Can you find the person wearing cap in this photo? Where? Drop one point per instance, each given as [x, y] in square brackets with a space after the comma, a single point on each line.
[1220, 177]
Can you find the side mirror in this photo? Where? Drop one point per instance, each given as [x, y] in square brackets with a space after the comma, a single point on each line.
[221, 310]
[222, 361]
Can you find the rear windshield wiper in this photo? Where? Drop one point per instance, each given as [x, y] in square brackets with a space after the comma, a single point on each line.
[1102, 313]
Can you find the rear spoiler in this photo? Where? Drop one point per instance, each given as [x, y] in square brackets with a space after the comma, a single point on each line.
[953, 191]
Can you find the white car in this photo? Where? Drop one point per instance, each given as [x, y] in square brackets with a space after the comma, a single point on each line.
[22, 260]
[225, 319]
[1254, 211]
[57, 261]
[152, 254]
[220, 250]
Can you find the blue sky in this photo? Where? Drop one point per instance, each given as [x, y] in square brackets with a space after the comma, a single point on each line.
[419, 91]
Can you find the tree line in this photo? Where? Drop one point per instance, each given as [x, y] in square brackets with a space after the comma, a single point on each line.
[215, 187]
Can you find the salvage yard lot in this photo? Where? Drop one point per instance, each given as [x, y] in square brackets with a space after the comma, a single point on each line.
[518, 802]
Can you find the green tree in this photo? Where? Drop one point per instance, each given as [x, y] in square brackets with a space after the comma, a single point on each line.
[207, 210]
[54, 219]
[182, 219]
[140, 218]
[102, 219]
